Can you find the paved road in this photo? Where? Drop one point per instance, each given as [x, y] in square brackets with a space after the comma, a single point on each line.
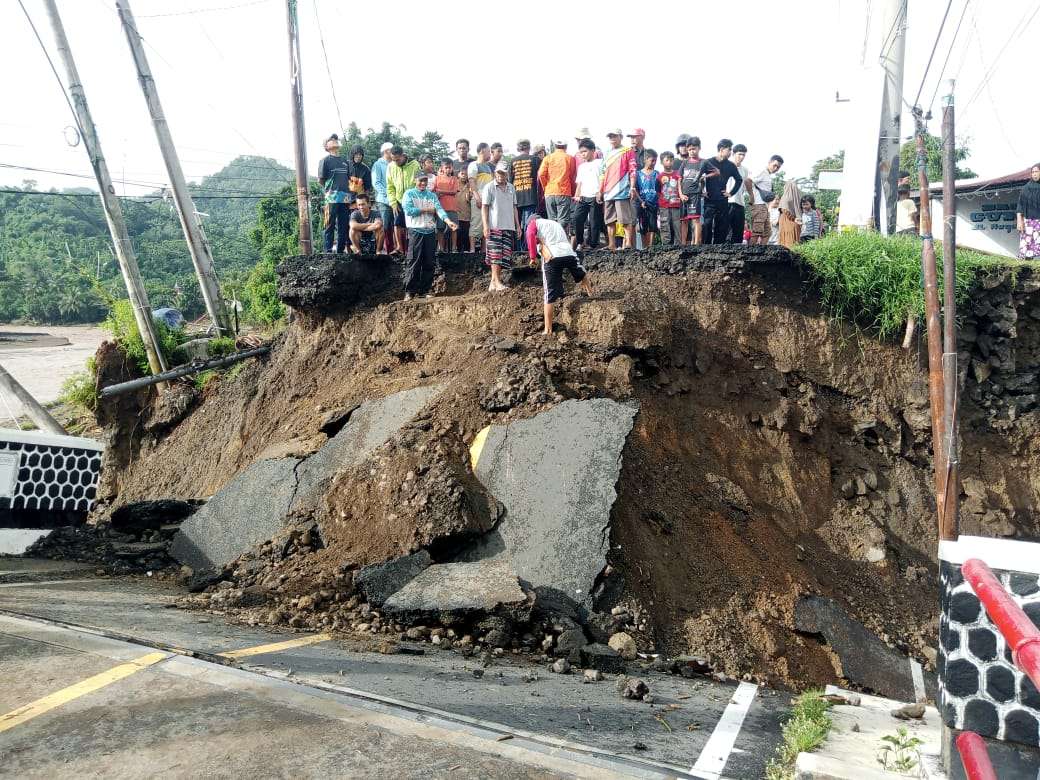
[100, 665]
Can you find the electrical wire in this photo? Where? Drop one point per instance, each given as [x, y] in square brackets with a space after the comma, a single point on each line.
[328, 70]
[1017, 32]
[133, 198]
[54, 70]
[949, 51]
[171, 66]
[190, 12]
[931, 56]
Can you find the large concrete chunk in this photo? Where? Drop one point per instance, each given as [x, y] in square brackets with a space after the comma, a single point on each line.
[865, 659]
[248, 510]
[459, 589]
[555, 474]
[369, 425]
[253, 506]
[382, 580]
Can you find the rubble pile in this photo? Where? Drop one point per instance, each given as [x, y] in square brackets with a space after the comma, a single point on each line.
[137, 538]
[701, 466]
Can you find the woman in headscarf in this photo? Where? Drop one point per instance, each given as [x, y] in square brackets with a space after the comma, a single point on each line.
[1029, 217]
[790, 209]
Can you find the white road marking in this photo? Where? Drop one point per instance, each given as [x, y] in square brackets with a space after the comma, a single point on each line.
[40, 584]
[715, 754]
[918, 677]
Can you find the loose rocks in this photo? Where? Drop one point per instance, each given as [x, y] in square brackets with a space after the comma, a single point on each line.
[625, 646]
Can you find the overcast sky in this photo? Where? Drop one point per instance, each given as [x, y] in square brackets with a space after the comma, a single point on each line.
[765, 75]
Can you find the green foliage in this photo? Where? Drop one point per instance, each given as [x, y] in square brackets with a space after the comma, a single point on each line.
[869, 278]
[123, 327]
[899, 752]
[43, 280]
[221, 346]
[80, 389]
[804, 731]
[933, 149]
[203, 378]
[432, 142]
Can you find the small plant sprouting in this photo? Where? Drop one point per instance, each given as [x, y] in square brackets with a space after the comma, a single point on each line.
[899, 752]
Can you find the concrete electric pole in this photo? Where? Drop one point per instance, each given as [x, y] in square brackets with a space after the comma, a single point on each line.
[893, 52]
[303, 199]
[113, 211]
[201, 256]
[36, 413]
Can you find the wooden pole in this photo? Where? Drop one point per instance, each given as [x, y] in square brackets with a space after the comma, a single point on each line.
[949, 520]
[303, 199]
[198, 246]
[36, 413]
[113, 211]
[934, 331]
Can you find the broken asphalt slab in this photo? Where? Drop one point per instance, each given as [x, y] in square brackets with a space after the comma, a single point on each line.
[865, 659]
[371, 424]
[248, 510]
[556, 475]
[459, 589]
[253, 506]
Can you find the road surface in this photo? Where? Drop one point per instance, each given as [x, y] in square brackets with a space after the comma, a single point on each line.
[102, 677]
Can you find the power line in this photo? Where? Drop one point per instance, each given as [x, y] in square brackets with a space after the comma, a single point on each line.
[949, 51]
[132, 198]
[1017, 31]
[202, 10]
[328, 70]
[931, 56]
[54, 70]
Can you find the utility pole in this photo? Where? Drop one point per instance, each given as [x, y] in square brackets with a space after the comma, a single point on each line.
[36, 413]
[893, 53]
[951, 484]
[201, 256]
[113, 211]
[935, 338]
[303, 199]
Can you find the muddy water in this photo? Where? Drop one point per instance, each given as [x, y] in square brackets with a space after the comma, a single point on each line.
[42, 357]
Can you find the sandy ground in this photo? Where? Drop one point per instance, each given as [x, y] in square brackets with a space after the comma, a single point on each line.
[43, 369]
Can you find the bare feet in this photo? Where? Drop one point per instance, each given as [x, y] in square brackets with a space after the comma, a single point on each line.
[407, 296]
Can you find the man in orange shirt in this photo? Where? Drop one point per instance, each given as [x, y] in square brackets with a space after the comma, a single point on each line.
[556, 175]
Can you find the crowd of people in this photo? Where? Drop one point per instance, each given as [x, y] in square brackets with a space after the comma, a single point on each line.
[621, 196]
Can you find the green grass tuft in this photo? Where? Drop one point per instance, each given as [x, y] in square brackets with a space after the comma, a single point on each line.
[804, 731]
[80, 390]
[869, 278]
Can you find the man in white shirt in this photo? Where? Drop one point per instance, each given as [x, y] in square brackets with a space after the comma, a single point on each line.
[906, 214]
[501, 224]
[546, 237]
[585, 190]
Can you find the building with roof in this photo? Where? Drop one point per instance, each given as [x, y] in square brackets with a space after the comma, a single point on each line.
[985, 212]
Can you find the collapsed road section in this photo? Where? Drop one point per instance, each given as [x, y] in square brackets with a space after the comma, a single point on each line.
[699, 464]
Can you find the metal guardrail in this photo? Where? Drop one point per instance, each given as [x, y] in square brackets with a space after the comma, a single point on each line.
[1013, 623]
[975, 757]
[1021, 636]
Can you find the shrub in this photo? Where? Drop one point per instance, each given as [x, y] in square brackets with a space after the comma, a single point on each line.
[261, 294]
[123, 327]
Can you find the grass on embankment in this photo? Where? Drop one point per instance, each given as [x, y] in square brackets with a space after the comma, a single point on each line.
[870, 278]
[804, 731]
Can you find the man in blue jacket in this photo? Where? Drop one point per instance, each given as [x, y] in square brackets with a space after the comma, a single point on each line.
[386, 214]
[421, 207]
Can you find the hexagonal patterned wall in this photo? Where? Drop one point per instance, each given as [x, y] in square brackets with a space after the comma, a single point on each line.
[54, 472]
[980, 689]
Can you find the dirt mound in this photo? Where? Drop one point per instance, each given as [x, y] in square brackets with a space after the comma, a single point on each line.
[776, 453]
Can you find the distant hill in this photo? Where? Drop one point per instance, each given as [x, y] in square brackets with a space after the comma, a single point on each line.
[39, 281]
